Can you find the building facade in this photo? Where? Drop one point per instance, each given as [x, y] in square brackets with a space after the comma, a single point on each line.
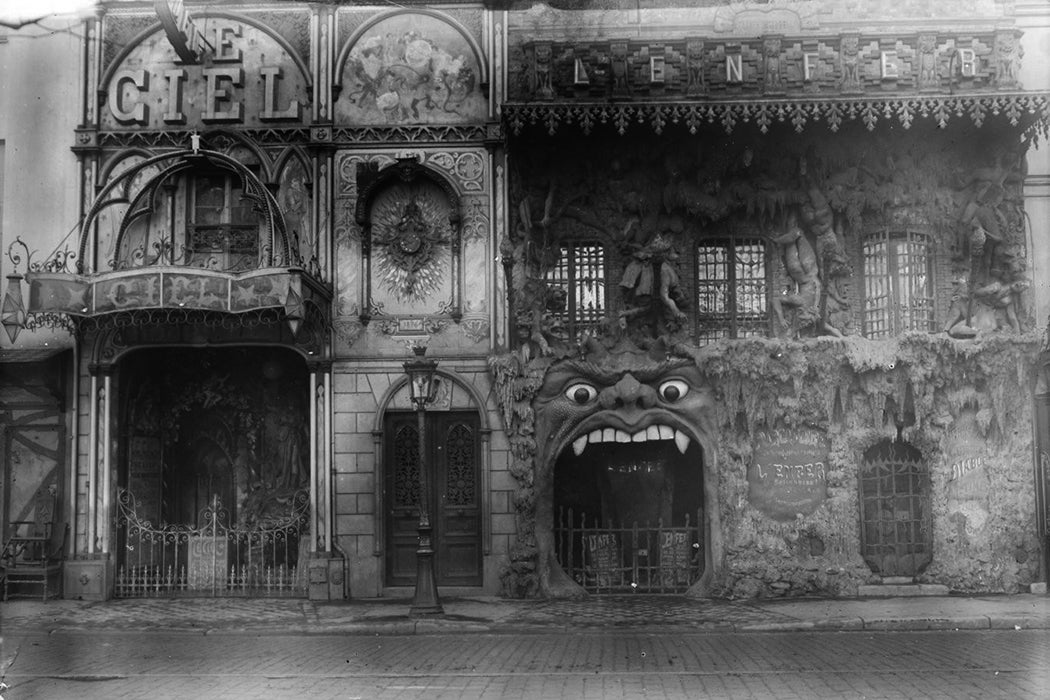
[736, 299]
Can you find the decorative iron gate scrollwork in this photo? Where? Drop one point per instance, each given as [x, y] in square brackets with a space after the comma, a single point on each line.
[214, 558]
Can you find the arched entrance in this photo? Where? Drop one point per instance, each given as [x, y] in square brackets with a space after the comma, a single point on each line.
[896, 519]
[213, 472]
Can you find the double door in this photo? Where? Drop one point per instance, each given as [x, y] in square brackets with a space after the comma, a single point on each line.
[454, 498]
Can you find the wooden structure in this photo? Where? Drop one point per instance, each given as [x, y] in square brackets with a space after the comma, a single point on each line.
[30, 555]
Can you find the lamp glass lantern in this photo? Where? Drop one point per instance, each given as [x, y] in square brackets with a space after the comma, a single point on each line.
[422, 379]
[422, 387]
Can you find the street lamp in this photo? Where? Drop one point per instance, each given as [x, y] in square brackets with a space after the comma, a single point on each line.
[422, 387]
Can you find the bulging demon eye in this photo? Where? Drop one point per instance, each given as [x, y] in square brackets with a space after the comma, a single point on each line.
[581, 393]
[672, 390]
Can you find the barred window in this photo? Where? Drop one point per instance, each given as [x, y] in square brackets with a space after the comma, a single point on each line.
[898, 283]
[731, 289]
[580, 276]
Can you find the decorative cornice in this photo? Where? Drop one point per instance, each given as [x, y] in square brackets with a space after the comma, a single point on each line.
[1019, 109]
[321, 134]
[179, 138]
[412, 134]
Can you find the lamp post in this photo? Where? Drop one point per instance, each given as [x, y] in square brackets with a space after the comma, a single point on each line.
[422, 386]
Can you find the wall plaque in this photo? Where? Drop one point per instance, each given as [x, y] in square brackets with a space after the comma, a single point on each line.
[788, 473]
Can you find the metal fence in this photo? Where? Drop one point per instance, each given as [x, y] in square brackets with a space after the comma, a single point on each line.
[612, 558]
[214, 559]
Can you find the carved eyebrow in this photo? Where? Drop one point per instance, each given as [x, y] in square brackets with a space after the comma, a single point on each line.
[646, 373]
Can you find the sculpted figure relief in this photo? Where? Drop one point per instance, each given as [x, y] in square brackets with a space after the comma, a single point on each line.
[927, 62]
[651, 287]
[850, 63]
[1008, 53]
[803, 294]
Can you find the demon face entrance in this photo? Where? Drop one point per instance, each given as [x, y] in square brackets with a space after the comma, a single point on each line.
[214, 495]
[628, 515]
[620, 472]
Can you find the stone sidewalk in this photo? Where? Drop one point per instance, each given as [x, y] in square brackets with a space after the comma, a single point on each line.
[497, 615]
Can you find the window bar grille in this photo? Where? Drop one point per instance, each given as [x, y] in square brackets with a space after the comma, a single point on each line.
[877, 286]
[731, 283]
[580, 273]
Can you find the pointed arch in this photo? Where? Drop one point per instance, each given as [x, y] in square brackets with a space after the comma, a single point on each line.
[255, 190]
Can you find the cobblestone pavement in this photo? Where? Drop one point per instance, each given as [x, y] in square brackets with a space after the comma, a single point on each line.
[606, 664]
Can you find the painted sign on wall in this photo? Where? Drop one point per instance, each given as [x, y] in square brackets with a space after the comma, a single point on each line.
[967, 487]
[788, 473]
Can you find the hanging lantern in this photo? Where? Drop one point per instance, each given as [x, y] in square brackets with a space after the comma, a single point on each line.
[422, 376]
[13, 309]
[294, 310]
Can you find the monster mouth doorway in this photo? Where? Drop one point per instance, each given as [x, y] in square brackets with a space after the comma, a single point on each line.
[629, 516]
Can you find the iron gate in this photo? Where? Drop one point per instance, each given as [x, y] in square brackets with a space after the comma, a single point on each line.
[213, 559]
[613, 558]
[895, 510]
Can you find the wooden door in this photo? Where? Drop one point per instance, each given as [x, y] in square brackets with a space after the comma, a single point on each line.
[454, 498]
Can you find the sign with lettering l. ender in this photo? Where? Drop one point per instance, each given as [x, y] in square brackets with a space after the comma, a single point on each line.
[788, 473]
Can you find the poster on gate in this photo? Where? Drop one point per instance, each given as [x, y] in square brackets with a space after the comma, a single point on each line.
[603, 559]
[674, 558]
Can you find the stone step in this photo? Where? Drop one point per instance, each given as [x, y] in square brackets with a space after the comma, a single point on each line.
[899, 590]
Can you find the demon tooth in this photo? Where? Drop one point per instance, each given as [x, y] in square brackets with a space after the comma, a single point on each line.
[666, 433]
[579, 444]
[623, 436]
[640, 436]
[681, 440]
[652, 432]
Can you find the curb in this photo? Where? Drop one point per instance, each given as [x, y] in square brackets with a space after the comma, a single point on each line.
[408, 627]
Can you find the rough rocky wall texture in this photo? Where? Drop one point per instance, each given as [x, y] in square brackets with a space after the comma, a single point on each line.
[964, 405]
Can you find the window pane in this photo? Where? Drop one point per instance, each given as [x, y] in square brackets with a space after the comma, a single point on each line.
[712, 284]
[580, 275]
[209, 199]
[898, 284]
[241, 211]
[731, 290]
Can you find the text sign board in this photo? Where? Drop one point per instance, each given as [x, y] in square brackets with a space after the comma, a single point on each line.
[788, 473]
[182, 33]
